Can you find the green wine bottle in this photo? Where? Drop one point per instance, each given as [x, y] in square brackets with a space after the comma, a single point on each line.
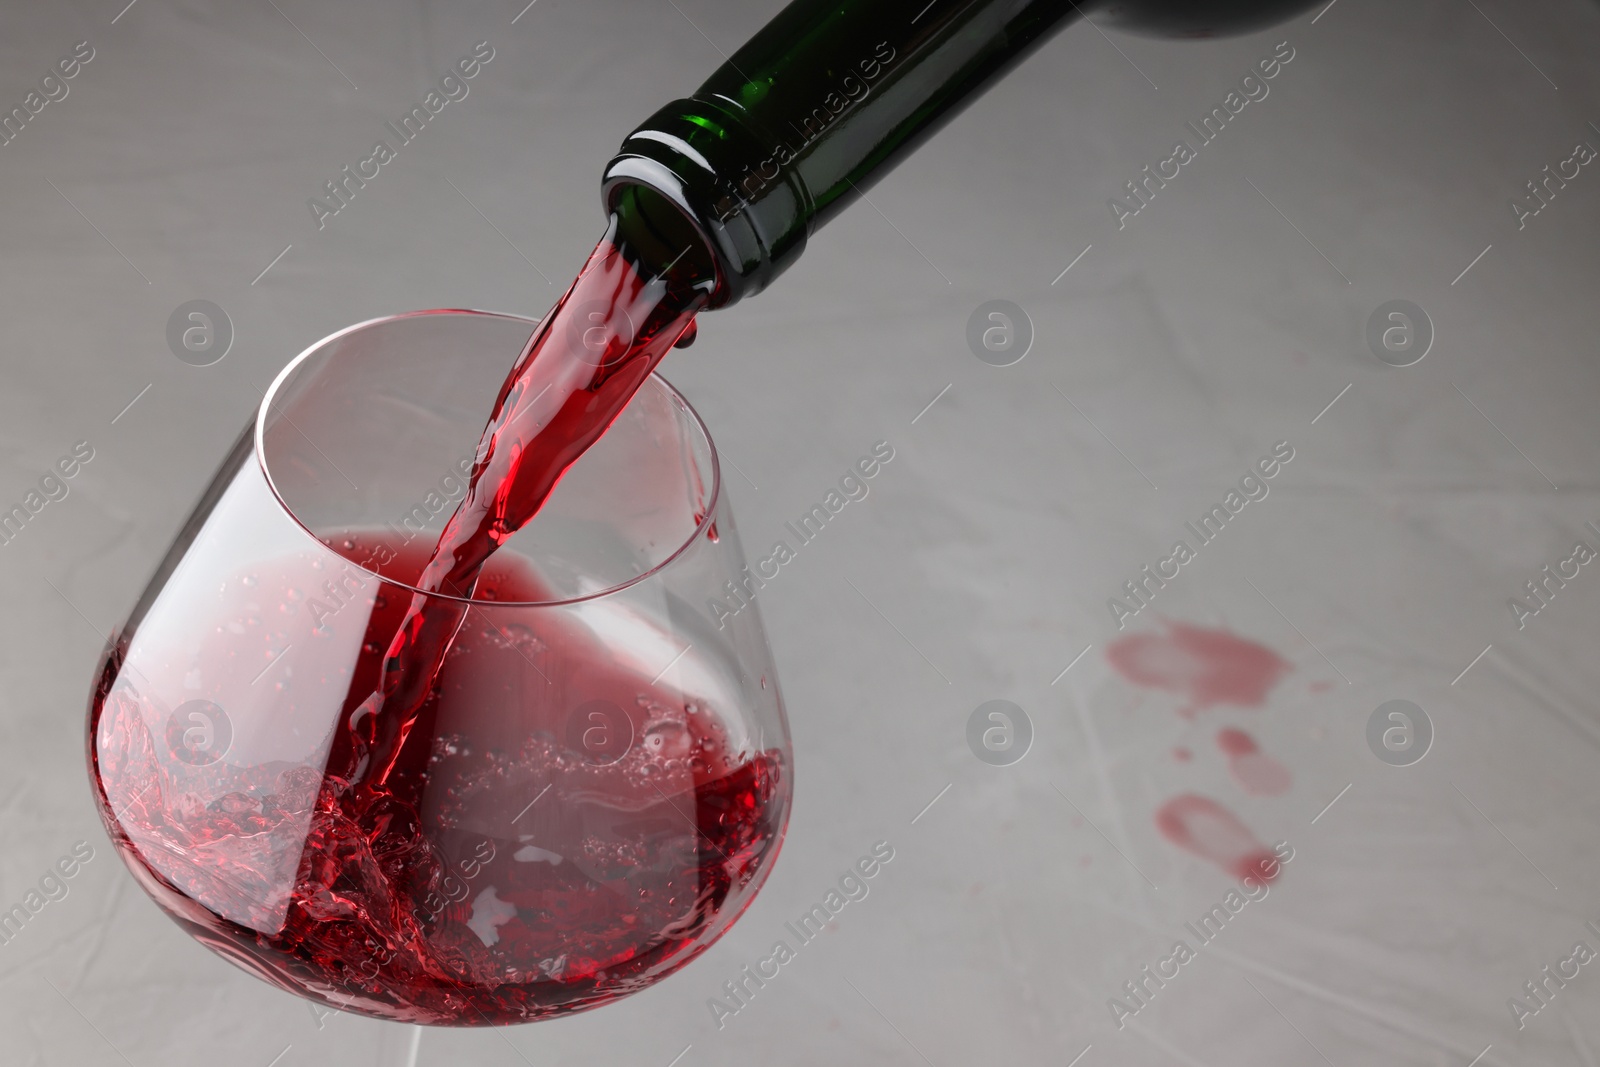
[824, 101]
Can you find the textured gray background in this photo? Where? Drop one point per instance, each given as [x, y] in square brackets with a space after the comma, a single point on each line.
[1193, 339]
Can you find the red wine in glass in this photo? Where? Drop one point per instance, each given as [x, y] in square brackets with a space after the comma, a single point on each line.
[575, 775]
[639, 827]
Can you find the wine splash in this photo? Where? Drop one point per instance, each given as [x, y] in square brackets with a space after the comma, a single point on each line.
[505, 874]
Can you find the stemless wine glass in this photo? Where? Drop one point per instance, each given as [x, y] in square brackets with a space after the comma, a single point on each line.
[599, 780]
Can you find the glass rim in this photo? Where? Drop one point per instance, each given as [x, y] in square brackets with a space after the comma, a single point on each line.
[258, 435]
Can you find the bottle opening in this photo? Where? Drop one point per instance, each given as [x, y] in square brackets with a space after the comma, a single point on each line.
[662, 238]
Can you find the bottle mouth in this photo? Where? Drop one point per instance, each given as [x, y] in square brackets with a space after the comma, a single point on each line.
[678, 178]
[661, 230]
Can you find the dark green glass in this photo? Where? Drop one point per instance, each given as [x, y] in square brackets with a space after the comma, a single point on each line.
[824, 101]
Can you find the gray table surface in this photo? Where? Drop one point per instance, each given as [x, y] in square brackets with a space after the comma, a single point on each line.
[1224, 317]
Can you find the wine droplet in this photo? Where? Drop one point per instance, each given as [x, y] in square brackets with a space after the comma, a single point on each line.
[687, 337]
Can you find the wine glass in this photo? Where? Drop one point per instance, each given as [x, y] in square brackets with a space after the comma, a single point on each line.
[599, 780]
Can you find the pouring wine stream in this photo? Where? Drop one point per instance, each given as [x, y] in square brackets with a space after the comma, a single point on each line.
[580, 368]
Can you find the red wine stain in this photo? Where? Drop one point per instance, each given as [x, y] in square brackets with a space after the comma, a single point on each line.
[1209, 667]
[1182, 755]
[1236, 742]
[1321, 687]
[1201, 826]
[1256, 772]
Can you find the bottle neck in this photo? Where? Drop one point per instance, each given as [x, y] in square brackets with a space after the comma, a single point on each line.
[822, 102]
[827, 98]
